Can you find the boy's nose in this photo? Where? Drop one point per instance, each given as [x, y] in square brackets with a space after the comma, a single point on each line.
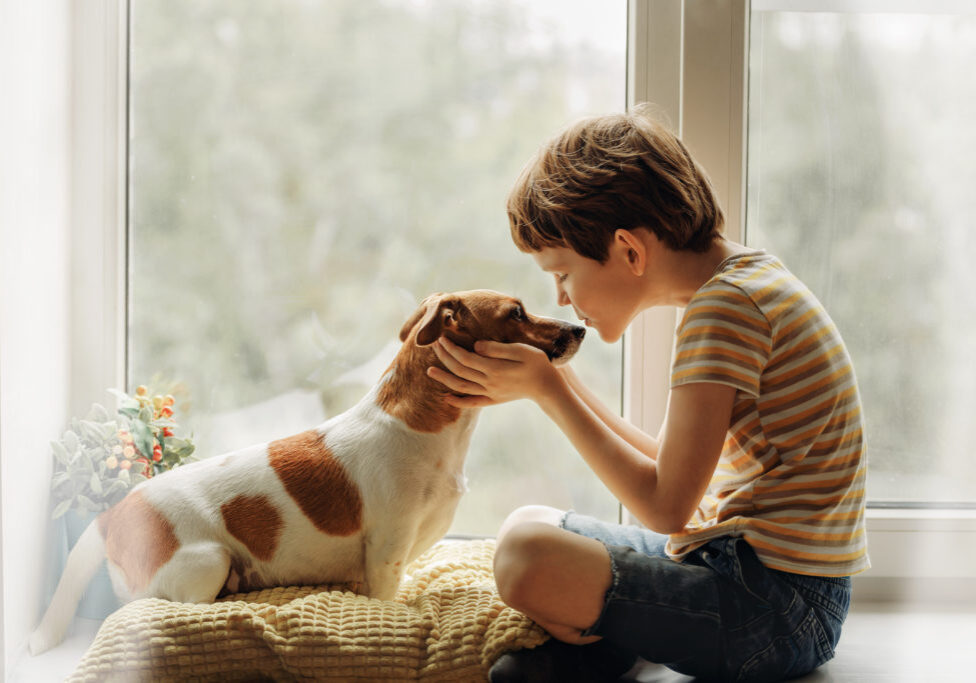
[562, 298]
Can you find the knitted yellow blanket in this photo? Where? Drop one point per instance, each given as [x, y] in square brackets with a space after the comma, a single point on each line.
[447, 623]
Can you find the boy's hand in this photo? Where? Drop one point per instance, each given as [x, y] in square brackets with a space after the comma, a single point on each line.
[496, 373]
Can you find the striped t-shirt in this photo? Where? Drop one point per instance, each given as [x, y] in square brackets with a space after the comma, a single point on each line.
[791, 476]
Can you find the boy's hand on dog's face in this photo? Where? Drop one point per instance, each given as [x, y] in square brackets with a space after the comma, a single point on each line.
[495, 373]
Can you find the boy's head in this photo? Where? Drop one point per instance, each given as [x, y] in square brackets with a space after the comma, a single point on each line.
[610, 172]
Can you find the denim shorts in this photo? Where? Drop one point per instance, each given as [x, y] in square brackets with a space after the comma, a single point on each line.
[719, 614]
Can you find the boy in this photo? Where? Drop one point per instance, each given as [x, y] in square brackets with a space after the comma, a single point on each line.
[752, 493]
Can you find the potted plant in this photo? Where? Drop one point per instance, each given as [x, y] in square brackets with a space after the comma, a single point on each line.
[98, 460]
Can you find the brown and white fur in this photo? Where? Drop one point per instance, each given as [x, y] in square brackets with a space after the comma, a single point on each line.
[352, 500]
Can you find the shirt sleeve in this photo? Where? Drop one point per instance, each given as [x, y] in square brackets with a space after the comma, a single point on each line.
[723, 338]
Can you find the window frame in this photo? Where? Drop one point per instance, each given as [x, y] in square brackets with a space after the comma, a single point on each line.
[99, 200]
[689, 58]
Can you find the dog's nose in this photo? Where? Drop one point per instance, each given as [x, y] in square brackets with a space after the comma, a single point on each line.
[579, 332]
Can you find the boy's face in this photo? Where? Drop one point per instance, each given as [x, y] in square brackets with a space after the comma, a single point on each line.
[603, 295]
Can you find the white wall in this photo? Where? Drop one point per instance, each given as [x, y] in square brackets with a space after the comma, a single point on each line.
[34, 293]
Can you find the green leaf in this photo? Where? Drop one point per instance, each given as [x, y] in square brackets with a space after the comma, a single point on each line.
[109, 430]
[115, 487]
[131, 412]
[137, 479]
[61, 509]
[97, 413]
[61, 453]
[143, 437]
[70, 441]
[60, 479]
[87, 502]
[95, 483]
[91, 431]
[127, 405]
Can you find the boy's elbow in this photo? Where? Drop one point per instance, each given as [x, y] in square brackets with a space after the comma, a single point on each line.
[672, 525]
[664, 521]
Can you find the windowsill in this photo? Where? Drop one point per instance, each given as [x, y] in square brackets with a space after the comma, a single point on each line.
[920, 557]
[910, 519]
[57, 663]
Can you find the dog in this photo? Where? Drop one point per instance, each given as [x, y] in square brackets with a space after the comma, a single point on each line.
[352, 501]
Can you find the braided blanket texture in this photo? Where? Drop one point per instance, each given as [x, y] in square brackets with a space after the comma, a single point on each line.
[447, 623]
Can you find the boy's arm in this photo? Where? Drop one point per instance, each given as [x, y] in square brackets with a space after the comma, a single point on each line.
[633, 435]
[663, 493]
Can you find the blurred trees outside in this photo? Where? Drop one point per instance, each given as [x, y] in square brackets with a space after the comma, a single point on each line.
[861, 166]
[304, 172]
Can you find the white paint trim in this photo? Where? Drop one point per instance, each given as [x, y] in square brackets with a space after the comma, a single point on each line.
[98, 201]
[867, 6]
[715, 96]
[654, 74]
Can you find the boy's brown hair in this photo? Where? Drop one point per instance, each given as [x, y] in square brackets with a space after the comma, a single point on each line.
[609, 172]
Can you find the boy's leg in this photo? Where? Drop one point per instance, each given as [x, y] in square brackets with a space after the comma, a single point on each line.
[719, 614]
[585, 579]
[563, 607]
[556, 577]
[530, 513]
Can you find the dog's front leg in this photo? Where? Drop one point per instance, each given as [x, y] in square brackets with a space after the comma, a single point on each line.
[386, 559]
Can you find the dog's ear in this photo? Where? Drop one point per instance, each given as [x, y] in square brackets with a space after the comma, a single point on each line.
[434, 313]
[440, 315]
[421, 311]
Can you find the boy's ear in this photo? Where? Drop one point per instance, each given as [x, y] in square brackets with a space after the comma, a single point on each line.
[634, 249]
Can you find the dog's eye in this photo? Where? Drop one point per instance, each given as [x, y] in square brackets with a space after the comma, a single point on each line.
[518, 313]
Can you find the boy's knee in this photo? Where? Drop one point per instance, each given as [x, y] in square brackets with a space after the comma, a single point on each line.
[518, 558]
[529, 513]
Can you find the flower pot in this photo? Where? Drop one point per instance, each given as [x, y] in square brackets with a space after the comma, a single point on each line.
[98, 600]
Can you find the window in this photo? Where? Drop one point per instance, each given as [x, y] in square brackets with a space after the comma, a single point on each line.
[303, 173]
[860, 166]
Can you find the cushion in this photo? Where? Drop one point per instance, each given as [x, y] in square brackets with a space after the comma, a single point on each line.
[447, 623]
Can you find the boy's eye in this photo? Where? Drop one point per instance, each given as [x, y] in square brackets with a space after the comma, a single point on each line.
[561, 277]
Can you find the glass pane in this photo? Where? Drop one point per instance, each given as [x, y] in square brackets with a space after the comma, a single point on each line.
[861, 166]
[304, 172]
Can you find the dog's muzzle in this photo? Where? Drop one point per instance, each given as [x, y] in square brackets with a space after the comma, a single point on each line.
[567, 342]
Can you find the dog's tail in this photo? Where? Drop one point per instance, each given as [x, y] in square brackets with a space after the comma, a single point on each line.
[83, 561]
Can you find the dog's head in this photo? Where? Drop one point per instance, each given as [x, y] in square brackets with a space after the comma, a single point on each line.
[481, 314]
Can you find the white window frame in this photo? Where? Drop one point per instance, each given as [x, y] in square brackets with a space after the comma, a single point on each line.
[99, 200]
[688, 57]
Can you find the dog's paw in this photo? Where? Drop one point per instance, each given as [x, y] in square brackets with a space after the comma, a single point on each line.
[41, 642]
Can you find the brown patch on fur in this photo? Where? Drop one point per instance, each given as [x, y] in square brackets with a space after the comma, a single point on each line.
[138, 539]
[408, 394]
[317, 482]
[255, 522]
